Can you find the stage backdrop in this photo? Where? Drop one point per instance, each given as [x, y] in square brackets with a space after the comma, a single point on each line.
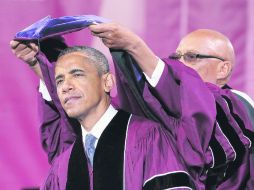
[161, 23]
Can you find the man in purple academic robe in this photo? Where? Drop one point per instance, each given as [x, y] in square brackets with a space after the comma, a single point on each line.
[211, 55]
[216, 68]
[128, 152]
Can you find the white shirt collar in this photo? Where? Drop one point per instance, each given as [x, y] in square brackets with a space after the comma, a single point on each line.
[101, 124]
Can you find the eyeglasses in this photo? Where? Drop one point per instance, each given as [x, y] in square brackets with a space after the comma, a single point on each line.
[192, 57]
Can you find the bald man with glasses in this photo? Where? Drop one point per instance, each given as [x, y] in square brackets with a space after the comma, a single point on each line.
[214, 64]
[219, 53]
[211, 55]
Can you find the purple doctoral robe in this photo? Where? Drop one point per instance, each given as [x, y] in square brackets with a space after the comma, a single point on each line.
[233, 120]
[225, 148]
[177, 103]
[133, 153]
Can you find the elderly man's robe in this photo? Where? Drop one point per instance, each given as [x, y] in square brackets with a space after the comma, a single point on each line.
[230, 143]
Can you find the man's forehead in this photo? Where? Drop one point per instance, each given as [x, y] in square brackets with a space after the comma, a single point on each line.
[188, 45]
[74, 61]
[205, 36]
[76, 54]
[197, 44]
[73, 58]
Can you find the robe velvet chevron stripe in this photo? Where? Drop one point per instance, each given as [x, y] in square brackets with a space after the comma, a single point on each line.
[219, 165]
[171, 180]
[234, 140]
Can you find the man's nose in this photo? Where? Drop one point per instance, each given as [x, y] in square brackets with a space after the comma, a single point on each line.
[67, 86]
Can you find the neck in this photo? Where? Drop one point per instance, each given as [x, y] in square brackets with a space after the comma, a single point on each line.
[93, 115]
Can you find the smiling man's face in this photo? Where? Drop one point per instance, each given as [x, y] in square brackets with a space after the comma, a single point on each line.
[80, 88]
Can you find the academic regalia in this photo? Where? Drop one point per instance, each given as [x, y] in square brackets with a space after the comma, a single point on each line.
[247, 104]
[235, 124]
[177, 103]
[132, 153]
[227, 148]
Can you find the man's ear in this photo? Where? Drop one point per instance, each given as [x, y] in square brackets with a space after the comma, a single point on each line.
[109, 82]
[224, 70]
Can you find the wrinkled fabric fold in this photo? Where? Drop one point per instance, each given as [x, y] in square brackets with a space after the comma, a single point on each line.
[49, 27]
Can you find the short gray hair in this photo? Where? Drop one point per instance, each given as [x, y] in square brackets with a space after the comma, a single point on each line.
[98, 58]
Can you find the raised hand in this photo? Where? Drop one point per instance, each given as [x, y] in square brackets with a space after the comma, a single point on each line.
[25, 51]
[115, 36]
[118, 37]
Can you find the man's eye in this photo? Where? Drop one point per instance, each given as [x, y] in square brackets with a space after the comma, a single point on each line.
[58, 82]
[190, 57]
[77, 74]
